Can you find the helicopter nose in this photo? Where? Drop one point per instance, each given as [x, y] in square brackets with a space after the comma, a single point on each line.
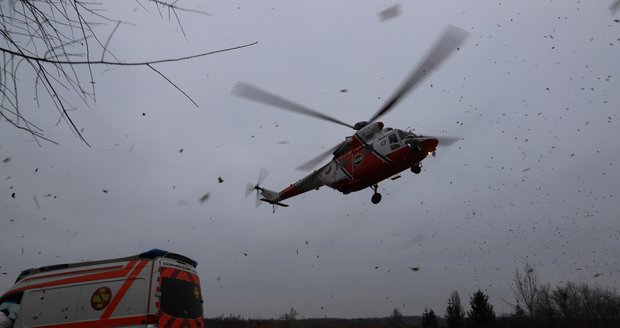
[429, 145]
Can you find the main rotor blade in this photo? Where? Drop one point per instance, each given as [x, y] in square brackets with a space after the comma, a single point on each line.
[442, 141]
[309, 165]
[451, 38]
[446, 141]
[251, 92]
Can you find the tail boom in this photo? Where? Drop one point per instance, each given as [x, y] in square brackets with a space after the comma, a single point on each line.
[310, 182]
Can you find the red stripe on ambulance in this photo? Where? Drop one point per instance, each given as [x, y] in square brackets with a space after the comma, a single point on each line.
[121, 292]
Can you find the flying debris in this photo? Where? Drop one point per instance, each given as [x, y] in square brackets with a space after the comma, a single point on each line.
[220, 180]
[615, 6]
[204, 198]
[414, 269]
[6, 160]
[389, 13]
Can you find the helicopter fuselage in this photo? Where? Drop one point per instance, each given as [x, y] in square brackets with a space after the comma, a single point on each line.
[371, 155]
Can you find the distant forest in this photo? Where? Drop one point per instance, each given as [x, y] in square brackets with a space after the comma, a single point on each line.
[537, 305]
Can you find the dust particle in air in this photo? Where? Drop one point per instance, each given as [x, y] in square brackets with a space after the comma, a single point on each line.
[204, 198]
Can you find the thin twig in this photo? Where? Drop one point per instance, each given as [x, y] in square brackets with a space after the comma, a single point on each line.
[105, 48]
[174, 85]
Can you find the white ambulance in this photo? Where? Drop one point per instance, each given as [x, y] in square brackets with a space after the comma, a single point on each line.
[152, 289]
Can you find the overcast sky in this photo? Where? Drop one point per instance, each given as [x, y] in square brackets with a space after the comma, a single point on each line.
[534, 93]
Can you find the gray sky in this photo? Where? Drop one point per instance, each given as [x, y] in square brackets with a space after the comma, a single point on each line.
[535, 179]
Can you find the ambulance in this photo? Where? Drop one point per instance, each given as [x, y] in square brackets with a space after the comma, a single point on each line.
[153, 289]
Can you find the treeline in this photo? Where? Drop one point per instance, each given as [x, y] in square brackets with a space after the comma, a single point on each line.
[537, 305]
[238, 322]
[291, 320]
[569, 305]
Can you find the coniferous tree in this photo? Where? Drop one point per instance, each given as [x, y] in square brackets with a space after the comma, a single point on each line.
[455, 315]
[396, 318]
[429, 319]
[481, 313]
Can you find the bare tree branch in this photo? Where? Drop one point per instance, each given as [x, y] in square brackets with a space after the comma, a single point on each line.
[526, 288]
[56, 41]
[103, 62]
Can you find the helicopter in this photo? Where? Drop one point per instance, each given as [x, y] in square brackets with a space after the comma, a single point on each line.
[374, 152]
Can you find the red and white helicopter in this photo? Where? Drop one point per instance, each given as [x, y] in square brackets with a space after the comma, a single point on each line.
[374, 152]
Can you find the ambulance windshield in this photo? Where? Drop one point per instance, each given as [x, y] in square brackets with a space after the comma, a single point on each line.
[180, 298]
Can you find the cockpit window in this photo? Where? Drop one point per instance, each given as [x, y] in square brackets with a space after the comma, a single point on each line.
[402, 135]
[180, 298]
[394, 144]
[393, 139]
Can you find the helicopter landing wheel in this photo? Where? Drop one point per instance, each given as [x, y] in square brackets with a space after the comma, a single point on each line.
[416, 169]
[376, 198]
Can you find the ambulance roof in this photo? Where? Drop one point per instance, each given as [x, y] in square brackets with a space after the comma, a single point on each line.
[151, 254]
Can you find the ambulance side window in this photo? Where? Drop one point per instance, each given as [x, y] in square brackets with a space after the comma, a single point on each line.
[50, 306]
[97, 297]
[81, 303]
[12, 304]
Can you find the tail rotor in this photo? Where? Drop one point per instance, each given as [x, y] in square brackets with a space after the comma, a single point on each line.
[262, 175]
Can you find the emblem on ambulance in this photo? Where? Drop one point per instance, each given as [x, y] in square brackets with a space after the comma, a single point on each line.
[101, 298]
